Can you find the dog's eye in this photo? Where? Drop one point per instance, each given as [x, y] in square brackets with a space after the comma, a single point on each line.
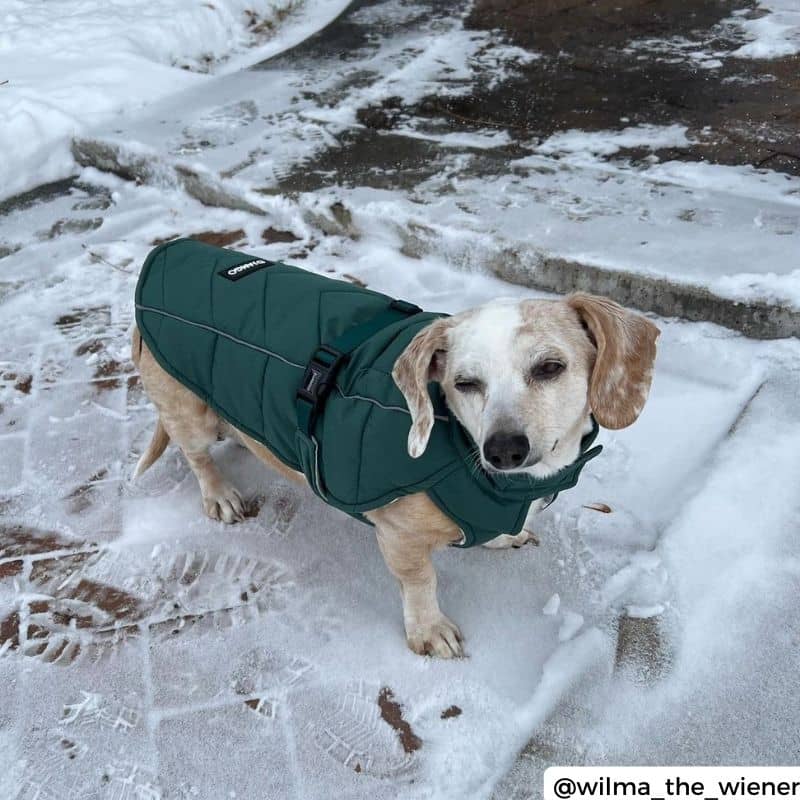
[547, 370]
[467, 385]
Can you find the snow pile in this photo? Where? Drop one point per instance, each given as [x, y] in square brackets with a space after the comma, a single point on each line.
[75, 64]
[776, 34]
[606, 143]
[731, 229]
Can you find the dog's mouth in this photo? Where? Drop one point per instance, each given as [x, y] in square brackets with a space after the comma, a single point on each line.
[528, 464]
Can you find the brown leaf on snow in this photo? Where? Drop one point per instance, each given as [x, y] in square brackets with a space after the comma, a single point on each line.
[601, 507]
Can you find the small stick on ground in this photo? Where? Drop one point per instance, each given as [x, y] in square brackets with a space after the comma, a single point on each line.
[775, 154]
[97, 257]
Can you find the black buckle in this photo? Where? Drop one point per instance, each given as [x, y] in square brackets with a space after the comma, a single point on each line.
[320, 375]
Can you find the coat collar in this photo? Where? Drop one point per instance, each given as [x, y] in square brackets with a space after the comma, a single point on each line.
[519, 486]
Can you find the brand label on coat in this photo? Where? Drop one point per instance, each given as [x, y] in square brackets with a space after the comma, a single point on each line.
[239, 271]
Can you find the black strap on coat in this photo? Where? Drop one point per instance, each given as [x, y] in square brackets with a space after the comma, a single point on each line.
[320, 375]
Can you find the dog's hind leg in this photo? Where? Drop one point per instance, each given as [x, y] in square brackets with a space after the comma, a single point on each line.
[221, 500]
[194, 427]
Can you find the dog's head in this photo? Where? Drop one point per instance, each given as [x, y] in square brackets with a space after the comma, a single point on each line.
[522, 377]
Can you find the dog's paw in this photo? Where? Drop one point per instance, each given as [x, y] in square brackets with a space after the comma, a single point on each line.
[224, 504]
[504, 540]
[440, 638]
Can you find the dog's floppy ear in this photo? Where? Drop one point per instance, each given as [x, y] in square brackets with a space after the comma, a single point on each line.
[623, 369]
[422, 361]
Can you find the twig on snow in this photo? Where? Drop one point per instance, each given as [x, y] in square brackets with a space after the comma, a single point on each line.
[95, 256]
[478, 120]
[775, 154]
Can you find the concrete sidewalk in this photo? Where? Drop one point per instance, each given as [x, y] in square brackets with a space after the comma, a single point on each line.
[650, 206]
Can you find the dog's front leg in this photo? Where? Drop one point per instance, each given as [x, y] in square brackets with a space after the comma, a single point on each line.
[506, 540]
[409, 530]
[428, 631]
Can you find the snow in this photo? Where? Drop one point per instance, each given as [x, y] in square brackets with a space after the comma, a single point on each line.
[478, 141]
[249, 659]
[607, 143]
[774, 34]
[570, 625]
[551, 606]
[730, 557]
[442, 61]
[77, 68]
[768, 30]
[254, 128]
[733, 230]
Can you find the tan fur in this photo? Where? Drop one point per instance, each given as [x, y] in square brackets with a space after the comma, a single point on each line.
[411, 528]
[158, 444]
[409, 531]
[194, 427]
[264, 454]
[626, 350]
[160, 438]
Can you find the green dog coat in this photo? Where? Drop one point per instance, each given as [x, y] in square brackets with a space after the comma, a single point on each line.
[303, 364]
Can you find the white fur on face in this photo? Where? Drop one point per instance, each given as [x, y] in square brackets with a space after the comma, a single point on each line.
[498, 346]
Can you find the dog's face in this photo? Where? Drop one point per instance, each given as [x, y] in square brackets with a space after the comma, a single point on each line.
[522, 377]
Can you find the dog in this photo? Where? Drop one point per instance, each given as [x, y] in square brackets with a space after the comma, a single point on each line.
[525, 379]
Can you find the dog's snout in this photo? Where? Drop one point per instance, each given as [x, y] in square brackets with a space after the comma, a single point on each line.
[506, 450]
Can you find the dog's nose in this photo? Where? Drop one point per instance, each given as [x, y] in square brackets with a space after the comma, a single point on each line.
[506, 450]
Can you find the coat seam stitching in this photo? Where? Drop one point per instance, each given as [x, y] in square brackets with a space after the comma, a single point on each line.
[211, 329]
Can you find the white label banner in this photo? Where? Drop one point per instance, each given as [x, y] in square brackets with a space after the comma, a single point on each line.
[671, 783]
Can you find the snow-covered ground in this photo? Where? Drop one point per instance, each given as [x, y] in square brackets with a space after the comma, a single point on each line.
[769, 30]
[70, 67]
[774, 34]
[154, 646]
[147, 652]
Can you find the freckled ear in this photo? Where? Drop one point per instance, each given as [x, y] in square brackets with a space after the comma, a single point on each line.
[626, 351]
[421, 362]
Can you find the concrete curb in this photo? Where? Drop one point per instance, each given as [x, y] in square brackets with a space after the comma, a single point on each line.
[756, 319]
[519, 264]
[525, 265]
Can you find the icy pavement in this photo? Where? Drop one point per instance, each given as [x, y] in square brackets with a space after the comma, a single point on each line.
[380, 112]
[151, 653]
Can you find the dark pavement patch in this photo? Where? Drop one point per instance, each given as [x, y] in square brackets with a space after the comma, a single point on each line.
[21, 540]
[273, 235]
[219, 238]
[643, 651]
[9, 569]
[610, 64]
